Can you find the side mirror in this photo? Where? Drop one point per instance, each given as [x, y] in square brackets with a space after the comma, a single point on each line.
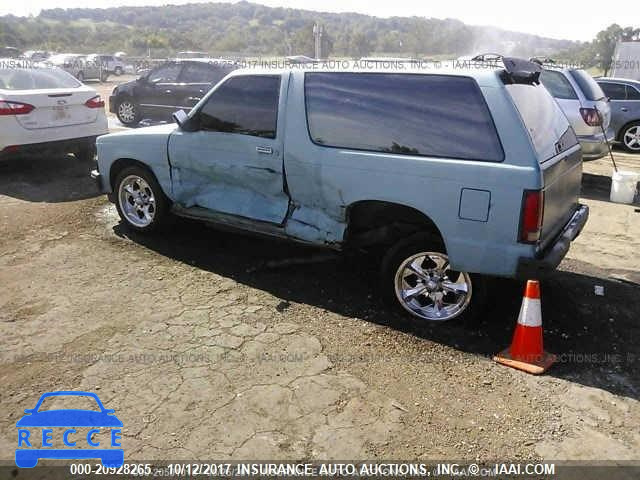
[184, 122]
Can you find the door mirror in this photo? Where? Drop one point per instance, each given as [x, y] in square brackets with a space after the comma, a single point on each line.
[184, 121]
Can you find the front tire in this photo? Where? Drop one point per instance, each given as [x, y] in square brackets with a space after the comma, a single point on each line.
[630, 137]
[416, 278]
[118, 71]
[128, 112]
[140, 201]
[80, 76]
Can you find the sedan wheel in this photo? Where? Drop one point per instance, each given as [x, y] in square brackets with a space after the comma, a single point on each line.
[127, 112]
[426, 287]
[631, 138]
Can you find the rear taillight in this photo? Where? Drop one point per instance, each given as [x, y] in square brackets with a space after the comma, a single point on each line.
[95, 102]
[531, 216]
[591, 117]
[15, 108]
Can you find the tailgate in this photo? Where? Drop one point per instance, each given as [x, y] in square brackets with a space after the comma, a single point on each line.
[558, 153]
[562, 179]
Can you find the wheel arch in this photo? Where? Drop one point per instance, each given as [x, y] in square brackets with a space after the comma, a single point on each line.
[378, 222]
[122, 163]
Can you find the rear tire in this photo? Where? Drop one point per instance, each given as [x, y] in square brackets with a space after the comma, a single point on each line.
[416, 279]
[80, 76]
[630, 137]
[128, 112]
[140, 201]
[118, 71]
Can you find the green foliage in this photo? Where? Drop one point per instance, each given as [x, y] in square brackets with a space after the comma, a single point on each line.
[251, 29]
[598, 53]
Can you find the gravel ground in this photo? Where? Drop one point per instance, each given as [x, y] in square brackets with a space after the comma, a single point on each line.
[206, 352]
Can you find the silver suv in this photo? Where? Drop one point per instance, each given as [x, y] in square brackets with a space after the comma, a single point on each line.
[585, 105]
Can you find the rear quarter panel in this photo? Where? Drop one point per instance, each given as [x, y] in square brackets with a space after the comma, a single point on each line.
[328, 180]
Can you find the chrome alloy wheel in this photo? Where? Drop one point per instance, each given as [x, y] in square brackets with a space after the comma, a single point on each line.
[126, 111]
[426, 287]
[137, 201]
[631, 138]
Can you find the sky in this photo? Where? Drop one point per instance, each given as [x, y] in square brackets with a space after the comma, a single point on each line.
[548, 18]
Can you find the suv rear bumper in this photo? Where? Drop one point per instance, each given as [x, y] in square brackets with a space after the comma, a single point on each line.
[547, 260]
[595, 146]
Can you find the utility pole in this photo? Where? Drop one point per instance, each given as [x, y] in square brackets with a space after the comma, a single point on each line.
[318, 32]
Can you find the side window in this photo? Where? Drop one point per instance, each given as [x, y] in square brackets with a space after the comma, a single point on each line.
[247, 105]
[197, 73]
[632, 93]
[401, 114]
[615, 91]
[558, 86]
[167, 73]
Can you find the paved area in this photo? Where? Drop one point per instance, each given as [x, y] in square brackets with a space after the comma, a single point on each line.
[206, 351]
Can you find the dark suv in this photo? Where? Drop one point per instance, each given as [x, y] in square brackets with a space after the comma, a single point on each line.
[174, 85]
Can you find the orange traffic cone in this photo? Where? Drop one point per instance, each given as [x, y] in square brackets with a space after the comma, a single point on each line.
[526, 352]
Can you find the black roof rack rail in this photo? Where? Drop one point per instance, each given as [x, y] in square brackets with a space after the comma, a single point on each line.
[543, 60]
[519, 70]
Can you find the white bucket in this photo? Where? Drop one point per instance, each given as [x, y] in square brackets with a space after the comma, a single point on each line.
[623, 186]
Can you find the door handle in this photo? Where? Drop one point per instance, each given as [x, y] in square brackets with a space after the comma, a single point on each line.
[266, 150]
[624, 109]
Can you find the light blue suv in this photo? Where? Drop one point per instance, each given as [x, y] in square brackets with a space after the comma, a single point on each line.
[455, 174]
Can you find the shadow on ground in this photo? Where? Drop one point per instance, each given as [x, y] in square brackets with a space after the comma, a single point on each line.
[47, 178]
[597, 336]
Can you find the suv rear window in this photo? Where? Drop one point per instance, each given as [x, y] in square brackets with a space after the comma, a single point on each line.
[588, 85]
[548, 127]
[429, 115]
[558, 85]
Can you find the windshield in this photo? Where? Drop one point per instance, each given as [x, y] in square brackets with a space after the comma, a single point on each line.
[588, 85]
[35, 78]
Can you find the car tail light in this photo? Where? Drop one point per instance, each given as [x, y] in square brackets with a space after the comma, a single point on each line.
[591, 117]
[95, 102]
[15, 108]
[531, 216]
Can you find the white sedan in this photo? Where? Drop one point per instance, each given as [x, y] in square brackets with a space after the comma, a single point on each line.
[46, 110]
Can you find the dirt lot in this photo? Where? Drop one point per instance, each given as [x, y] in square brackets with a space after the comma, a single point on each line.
[207, 353]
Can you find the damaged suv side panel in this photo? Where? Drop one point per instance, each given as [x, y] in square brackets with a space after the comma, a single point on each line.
[449, 172]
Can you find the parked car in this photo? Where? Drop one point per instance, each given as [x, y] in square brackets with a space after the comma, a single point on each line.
[192, 54]
[358, 159]
[174, 85]
[47, 110]
[585, 105]
[110, 63]
[10, 52]
[624, 97]
[36, 55]
[79, 66]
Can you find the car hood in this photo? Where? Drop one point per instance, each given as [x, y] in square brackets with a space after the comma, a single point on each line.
[69, 418]
[157, 131]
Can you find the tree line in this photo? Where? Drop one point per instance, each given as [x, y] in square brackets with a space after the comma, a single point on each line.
[251, 29]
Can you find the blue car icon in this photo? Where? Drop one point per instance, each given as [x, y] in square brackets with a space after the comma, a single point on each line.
[71, 418]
